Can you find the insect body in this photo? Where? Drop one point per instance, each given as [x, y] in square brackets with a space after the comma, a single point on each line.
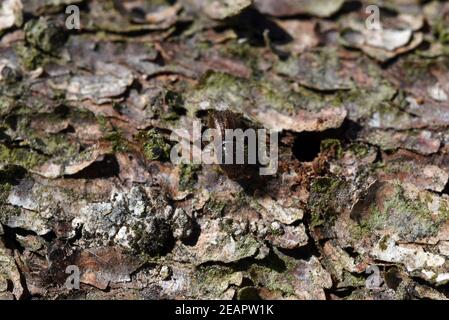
[224, 121]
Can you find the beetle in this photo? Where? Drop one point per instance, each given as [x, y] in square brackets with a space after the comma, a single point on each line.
[222, 120]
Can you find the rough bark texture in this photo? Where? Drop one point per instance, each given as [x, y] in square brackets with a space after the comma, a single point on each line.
[359, 208]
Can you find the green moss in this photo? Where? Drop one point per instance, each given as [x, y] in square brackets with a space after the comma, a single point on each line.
[383, 243]
[369, 100]
[174, 101]
[239, 50]
[392, 115]
[210, 88]
[415, 68]
[18, 156]
[351, 281]
[289, 67]
[8, 177]
[314, 101]
[188, 175]
[43, 39]
[248, 293]
[276, 232]
[395, 168]
[168, 105]
[155, 147]
[214, 82]
[409, 218]
[377, 220]
[213, 279]
[153, 241]
[103, 122]
[30, 57]
[10, 75]
[213, 273]
[53, 145]
[327, 198]
[214, 207]
[111, 134]
[332, 145]
[241, 94]
[8, 211]
[441, 31]
[11, 174]
[119, 144]
[325, 185]
[5, 189]
[359, 150]
[6, 105]
[243, 52]
[44, 34]
[275, 272]
[273, 96]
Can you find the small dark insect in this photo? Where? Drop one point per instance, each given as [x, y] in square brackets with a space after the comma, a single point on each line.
[222, 120]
